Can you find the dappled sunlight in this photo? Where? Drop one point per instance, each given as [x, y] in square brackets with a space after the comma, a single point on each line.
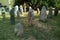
[39, 30]
[59, 11]
[24, 14]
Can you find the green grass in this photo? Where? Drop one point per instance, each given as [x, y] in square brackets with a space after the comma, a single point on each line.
[43, 31]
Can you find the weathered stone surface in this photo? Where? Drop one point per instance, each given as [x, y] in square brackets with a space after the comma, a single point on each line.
[50, 13]
[18, 29]
[30, 15]
[43, 15]
[21, 8]
[56, 12]
[12, 16]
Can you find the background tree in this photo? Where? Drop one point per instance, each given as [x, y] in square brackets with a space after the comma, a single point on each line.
[40, 3]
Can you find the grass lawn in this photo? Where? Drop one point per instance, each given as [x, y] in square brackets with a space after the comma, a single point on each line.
[41, 31]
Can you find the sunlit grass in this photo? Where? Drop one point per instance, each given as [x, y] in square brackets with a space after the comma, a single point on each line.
[46, 31]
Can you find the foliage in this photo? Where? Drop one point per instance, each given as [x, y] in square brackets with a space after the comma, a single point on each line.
[39, 3]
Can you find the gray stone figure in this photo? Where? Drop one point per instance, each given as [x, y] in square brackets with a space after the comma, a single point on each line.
[38, 10]
[43, 15]
[3, 12]
[50, 12]
[56, 11]
[30, 15]
[12, 16]
[7, 9]
[18, 29]
[21, 9]
[24, 8]
[16, 10]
